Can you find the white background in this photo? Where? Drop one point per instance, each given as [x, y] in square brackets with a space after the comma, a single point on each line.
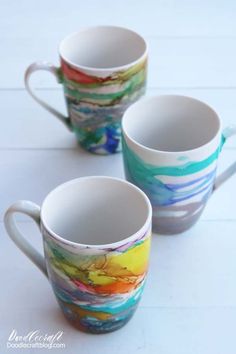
[189, 305]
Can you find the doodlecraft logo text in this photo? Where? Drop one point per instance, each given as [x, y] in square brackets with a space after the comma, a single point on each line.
[35, 339]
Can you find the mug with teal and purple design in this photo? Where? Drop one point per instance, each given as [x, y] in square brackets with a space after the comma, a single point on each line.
[171, 145]
[96, 236]
[103, 70]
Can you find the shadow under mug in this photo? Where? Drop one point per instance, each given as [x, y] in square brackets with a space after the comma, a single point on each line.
[103, 70]
[171, 145]
[96, 236]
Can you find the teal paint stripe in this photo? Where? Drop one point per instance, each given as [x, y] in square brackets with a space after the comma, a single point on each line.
[177, 171]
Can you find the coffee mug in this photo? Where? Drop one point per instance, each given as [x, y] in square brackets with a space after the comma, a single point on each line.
[103, 70]
[96, 235]
[171, 145]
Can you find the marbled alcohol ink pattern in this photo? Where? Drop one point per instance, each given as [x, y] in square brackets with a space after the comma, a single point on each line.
[178, 193]
[96, 104]
[98, 290]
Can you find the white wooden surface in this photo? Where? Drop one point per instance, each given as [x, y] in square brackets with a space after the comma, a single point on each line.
[189, 305]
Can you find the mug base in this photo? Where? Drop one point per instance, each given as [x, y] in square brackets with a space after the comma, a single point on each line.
[174, 225]
[78, 326]
[88, 323]
[98, 150]
[102, 140]
[170, 230]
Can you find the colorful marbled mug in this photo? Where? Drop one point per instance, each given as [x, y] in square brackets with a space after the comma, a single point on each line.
[171, 146]
[103, 70]
[96, 235]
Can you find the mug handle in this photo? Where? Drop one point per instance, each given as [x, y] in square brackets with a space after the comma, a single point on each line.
[32, 210]
[56, 72]
[231, 170]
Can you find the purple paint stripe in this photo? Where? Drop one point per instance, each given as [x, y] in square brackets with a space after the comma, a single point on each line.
[187, 184]
[129, 244]
[173, 201]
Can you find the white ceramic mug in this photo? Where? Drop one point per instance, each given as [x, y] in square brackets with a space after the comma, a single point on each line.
[103, 70]
[96, 236]
[171, 146]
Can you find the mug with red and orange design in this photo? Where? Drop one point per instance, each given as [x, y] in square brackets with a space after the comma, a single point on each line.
[103, 71]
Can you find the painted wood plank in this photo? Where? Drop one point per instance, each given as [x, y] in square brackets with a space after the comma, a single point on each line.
[165, 18]
[174, 62]
[188, 304]
[34, 173]
[28, 126]
[153, 330]
[194, 269]
[31, 174]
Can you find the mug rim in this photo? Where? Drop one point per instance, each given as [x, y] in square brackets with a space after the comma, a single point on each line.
[104, 246]
[145, 100]
[107, 69]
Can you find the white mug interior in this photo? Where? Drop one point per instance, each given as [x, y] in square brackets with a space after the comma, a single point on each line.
[95, 210]
[171, 123]
[103, 47]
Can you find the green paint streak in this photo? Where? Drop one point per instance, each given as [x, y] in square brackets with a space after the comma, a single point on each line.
[95, 96]
[181, 170]
[60, 76]
[134, 83]
[98, 96]
[182, 158]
